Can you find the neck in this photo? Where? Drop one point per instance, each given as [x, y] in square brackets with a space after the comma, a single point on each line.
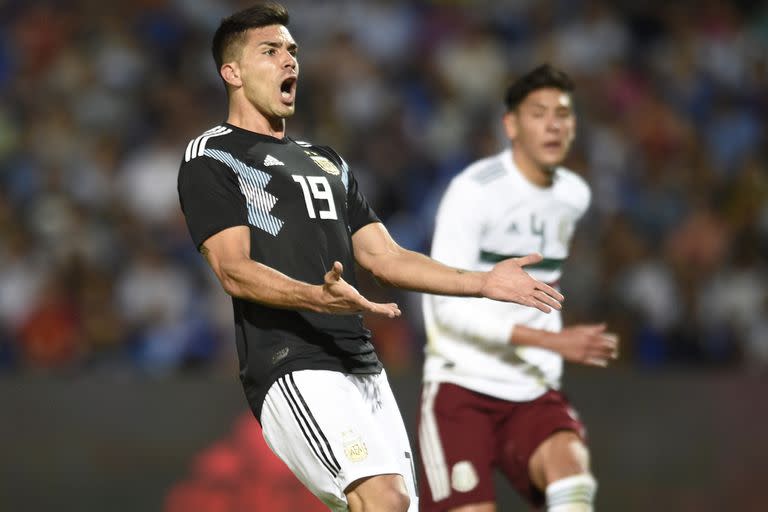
[540, 176]
[254, 121]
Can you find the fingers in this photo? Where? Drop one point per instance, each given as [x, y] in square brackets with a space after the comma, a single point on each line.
[548, 300]
[534, 303]
[390, 310]
[606, 349]
[530, 259]
[551, 292]
[597, 329]
[613, 344]
[334, 275]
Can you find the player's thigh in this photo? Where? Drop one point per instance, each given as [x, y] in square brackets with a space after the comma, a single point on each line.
[388, 417]
[386, 488]
[319, 424]
[456, 444]
[526, 431]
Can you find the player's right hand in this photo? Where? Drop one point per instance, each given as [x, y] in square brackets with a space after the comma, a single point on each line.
[508, 281]
[339, 297]
[588, 344]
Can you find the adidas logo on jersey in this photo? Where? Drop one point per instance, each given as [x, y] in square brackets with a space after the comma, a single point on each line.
[270, 161]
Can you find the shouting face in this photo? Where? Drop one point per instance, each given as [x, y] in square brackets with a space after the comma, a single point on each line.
[264, 71]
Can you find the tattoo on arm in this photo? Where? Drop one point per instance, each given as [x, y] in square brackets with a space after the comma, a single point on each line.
[204, 250]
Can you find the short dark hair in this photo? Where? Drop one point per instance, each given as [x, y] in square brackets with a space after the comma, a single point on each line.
[232, 28]
[542, 77]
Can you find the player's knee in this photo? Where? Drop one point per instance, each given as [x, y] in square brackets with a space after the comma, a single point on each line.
[394, 500]
[574, 493]
[380, 494]
[576, 455]
[387, 500]
[562, 455]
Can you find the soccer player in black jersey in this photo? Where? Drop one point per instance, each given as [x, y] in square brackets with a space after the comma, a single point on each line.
[282, 222]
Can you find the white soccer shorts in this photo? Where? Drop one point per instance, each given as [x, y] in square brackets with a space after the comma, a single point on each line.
[332, 428]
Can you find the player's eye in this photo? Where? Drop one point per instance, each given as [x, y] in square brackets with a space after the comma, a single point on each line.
[270, 51]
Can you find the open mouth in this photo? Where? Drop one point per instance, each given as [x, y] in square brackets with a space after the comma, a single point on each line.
[288, 89]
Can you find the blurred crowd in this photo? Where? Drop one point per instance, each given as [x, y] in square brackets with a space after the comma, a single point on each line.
[99, 99]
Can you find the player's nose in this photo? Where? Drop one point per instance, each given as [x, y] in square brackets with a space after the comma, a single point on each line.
[554, 124]
[289, 60]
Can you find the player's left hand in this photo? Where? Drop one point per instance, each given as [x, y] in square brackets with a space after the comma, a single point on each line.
[588, 344]
[507, 281]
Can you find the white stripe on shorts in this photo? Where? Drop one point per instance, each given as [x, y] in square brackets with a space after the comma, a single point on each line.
[432, 455]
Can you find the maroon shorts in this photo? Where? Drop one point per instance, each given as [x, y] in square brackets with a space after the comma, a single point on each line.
[464, 436]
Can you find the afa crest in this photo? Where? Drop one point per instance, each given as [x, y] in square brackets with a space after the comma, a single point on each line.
[323, 163]
[354, 446]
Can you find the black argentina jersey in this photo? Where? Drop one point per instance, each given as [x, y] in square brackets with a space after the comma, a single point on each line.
[302, 205]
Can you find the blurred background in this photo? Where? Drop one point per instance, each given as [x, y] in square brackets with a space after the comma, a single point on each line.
[118, 386]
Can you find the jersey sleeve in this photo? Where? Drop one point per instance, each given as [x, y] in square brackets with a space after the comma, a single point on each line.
[459, 226]
[359, 212]
[210, 198]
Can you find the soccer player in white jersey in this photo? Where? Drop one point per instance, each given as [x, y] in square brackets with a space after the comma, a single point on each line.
[490, 399]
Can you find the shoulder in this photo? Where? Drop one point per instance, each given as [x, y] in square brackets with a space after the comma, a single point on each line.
[574, 185]
[478, 178]
[484, 172]
[196, 147]
[321, 150]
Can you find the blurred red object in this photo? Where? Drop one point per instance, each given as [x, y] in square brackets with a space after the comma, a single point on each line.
[49, 336]
[240, 473]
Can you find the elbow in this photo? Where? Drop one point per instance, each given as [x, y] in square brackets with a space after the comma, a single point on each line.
[230, 287]
[381, 275]
[229, 283]
[385, 266]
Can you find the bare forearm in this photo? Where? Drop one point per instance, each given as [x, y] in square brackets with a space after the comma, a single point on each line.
[506, 281]
[414, 271]
[252, 281]
[528, 336]
[587, 344]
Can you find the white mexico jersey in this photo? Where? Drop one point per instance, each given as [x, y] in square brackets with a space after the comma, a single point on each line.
[491, 212]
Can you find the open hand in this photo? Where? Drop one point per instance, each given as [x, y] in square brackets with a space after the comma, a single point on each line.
[339, 297]
[507, 281]
[587, 344]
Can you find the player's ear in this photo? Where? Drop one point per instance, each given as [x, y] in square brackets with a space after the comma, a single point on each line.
[510, 124]
[230, 72]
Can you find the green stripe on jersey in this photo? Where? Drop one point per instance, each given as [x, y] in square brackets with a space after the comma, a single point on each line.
[545, 264]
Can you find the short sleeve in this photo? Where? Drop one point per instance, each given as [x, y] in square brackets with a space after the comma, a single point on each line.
[359, 211]
[210, 198]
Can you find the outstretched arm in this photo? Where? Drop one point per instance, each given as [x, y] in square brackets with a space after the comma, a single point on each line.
[377, 252]
[228, 254]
